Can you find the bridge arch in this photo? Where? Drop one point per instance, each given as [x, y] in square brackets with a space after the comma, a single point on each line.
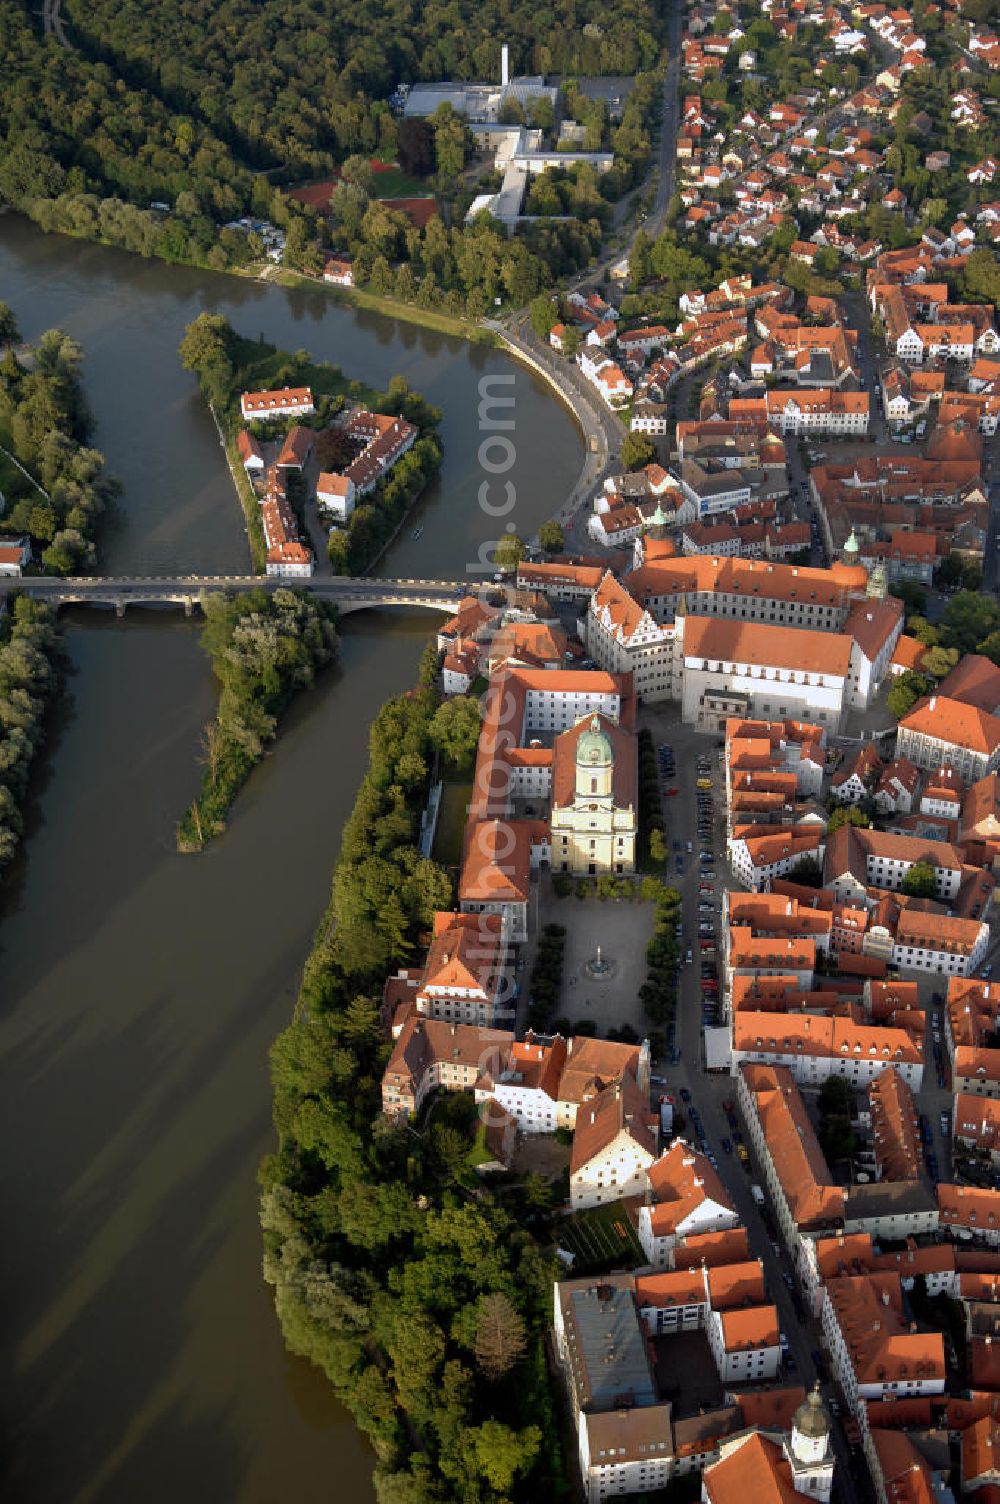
[348, 594]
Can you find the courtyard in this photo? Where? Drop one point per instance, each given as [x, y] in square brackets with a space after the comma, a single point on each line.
[622, 928]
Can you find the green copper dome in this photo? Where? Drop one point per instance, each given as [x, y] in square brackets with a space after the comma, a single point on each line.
[594, 747]
[852, 548]
[811, 1418]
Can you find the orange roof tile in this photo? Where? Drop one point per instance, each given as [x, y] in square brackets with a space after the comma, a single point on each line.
[725, 640]
[680, 1181]
[754, 1327]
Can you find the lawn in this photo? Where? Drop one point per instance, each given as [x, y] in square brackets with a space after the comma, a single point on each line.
[250, 507]
[388, 181]
[392, 182]
[602, 1237]
[452, 816]
[258, 366]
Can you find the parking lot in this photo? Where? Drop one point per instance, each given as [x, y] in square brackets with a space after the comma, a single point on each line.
[692, 789]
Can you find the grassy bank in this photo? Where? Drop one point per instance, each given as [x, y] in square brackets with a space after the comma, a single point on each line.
[264, 649]
[250, 506]
[262, 367]
[360, 297]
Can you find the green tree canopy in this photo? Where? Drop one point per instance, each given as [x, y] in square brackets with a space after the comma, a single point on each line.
[543, 314]
[637, 450]
[9, 332]
[905, 693]
[454, 730]
[968, 620]
[551, 537]
[847, 814]
[919, 881]
[502, 1454]
[510, 550]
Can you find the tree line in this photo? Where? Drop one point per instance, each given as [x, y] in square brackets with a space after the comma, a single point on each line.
[45, 424]
[409, 1282]
[30, 673]
[264, 648]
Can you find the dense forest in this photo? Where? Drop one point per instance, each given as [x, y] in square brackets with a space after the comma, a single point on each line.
[264, 648]
[158, 125]
[201, 109]
[415, 1288]
[61, 489]
[283, 82]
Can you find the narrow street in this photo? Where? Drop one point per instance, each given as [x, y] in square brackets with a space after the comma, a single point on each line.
[708, 1091]
[666, 158]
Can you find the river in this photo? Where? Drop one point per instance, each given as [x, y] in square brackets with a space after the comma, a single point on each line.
[140, 990]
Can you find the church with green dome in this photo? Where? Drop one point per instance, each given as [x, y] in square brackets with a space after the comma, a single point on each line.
[594, 812]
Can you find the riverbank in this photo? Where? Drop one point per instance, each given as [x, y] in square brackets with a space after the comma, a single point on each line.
[249, 505]
[409, 313]
[382, 1244]
[31, 671]
[264, 648]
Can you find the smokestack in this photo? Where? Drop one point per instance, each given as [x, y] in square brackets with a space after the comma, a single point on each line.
[505, 65]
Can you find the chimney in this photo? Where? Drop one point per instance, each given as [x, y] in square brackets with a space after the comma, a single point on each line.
[504, 65]
[933, 702]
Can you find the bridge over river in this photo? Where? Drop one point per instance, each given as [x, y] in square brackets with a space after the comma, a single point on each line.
[346, 593]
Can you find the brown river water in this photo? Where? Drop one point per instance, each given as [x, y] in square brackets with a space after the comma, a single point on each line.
[139, 991]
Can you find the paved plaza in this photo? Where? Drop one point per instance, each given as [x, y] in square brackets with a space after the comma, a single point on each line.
[622, 928]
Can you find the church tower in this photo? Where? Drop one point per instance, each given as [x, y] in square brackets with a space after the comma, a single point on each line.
[808, 1451]
[852, 550]
[595, 763]
[878, 582]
